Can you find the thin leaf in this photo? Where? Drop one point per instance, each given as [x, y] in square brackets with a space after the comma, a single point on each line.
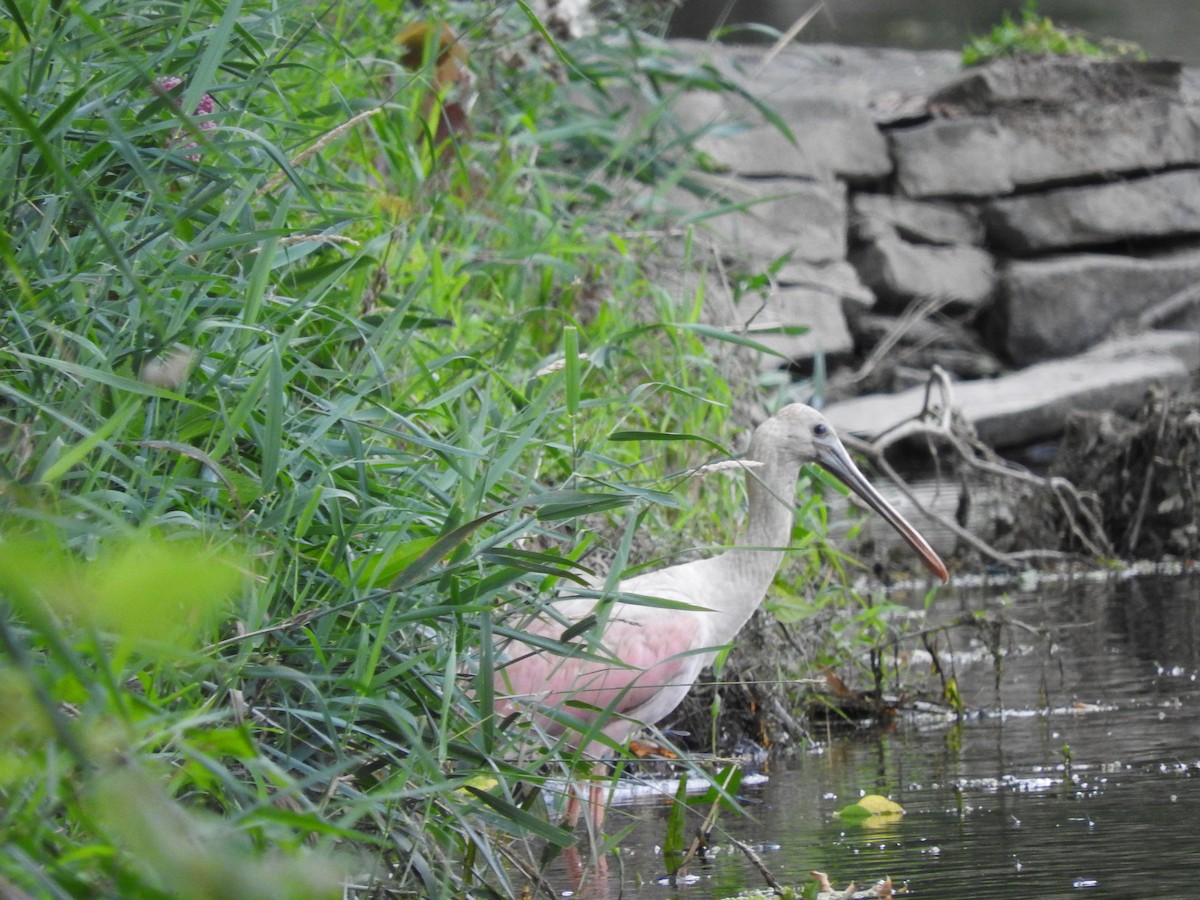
[272, 433]
[675, 842]
[438, 550]
[75, 454]
[571, 372]
[522, 822]
[664, 436]
[15, 12]
[215, 51]
[544, 563]
[570, 504]
[729, 337]
[554, 45]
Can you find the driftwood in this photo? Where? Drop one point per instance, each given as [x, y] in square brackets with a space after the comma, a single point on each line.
[1173, 307]
[938, 425]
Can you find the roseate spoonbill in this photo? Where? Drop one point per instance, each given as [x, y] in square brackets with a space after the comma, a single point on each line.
[657, 653]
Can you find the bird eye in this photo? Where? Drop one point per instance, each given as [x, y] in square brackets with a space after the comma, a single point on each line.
[820, 429]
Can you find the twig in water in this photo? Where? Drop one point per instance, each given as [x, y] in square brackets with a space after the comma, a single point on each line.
[1144, 500]
[760, 865]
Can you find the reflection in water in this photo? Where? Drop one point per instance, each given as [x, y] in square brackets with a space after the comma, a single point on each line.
[1085, 776]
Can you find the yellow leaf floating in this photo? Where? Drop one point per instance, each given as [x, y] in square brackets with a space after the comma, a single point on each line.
[871, 805]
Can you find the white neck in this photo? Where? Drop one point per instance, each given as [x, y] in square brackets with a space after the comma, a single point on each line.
[746, 571]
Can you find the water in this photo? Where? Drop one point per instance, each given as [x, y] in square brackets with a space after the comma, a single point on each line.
[1166, 28]
[997, 807]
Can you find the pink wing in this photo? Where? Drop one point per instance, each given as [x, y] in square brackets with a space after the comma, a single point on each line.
[653, 643]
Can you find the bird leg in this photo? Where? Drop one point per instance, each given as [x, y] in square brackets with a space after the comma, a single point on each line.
[589, 878]
[598, 797]
[574, 805]
[596, 801]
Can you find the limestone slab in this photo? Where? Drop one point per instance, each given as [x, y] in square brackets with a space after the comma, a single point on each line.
[899, 271]
[742, 140]
[884, 80]
[1031, 405]
[969, 157]
[1062, 305]
[916, 221]
[816, 303]
[836, 279]
[1050, 80]
[1160, 206]
[994, 155]
[767, 318]
[756, 221]
[829, 136]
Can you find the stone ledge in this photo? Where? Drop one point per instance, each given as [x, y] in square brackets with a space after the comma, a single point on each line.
[818, 311]
[1031, 405]
[768, 218]
[1049, 81]
[1062, 305]
[899, 272]
[1156, 207]
[989, 156]
[839, 138]
[917, 221]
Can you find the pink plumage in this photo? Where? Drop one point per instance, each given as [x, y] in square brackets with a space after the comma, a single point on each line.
[658, 653]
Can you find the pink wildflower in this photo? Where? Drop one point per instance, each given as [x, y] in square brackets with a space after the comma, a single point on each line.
[205, 107]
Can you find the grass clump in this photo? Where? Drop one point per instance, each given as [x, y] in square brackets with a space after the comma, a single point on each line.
[314, 344]
[1038, 35]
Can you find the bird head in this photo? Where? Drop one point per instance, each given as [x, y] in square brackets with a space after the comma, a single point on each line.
[804, 432]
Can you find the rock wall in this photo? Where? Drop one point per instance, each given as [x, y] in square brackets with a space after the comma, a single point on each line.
[996, 221]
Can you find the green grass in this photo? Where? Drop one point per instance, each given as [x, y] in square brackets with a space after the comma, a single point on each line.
[282, 447]
[1038, 35]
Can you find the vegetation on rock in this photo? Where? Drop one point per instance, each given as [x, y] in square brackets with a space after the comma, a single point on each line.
[1037, 34]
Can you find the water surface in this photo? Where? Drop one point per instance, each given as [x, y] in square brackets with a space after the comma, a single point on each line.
[1163, 28]
[1076, 774]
